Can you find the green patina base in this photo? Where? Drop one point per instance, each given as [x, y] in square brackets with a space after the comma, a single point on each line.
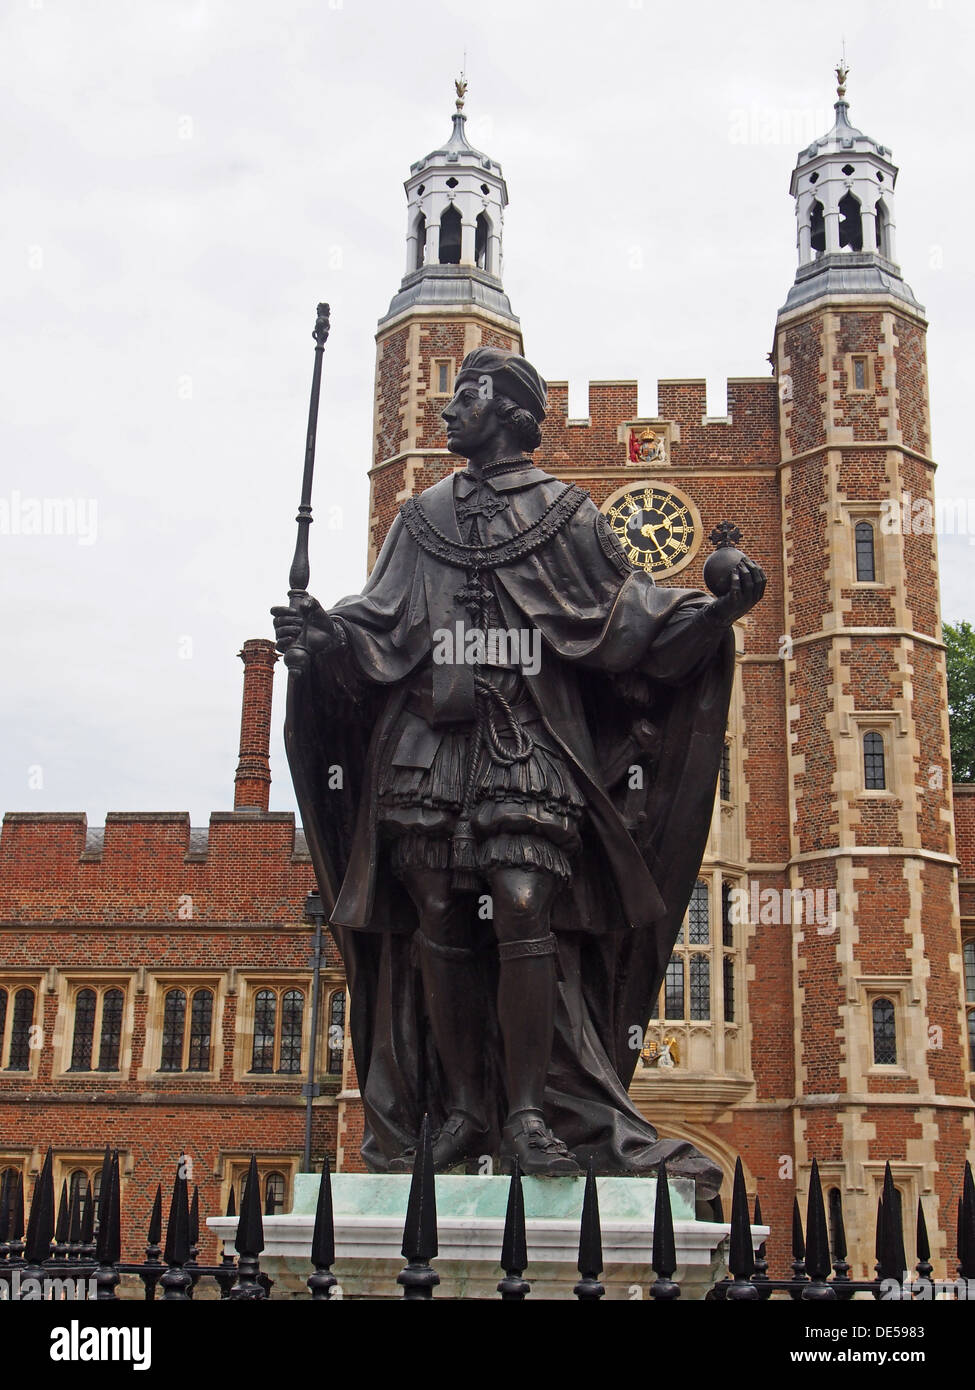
[460, 1196]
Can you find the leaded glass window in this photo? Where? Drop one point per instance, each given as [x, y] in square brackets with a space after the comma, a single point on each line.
[884, 1033]
[874, 771]
[336, 1032]
[726, 772]
[292, 1013]
[727, 926]
[969, 958]
[20, 1031]
[78, 1186]
[728, 981]
[273, 1193]
[699, 916]
[674, 988]
[174, 1022]
[866, 560]
[265, 1013]
[201, 1021]
[84, 1030]
[110, 1040]
[700, 987]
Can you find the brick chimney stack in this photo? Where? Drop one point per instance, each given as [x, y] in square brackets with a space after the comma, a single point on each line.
[252, 782]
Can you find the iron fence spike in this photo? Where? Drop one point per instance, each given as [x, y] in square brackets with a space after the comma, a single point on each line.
[155, 1218]
[664, 1253]
[61, 1225]
[250, 1227]
[741, 1256]
[514, 1244]
[323, 1237]
[817, 1237]
[40, 1222]
[798, 1240]
[420, 1230]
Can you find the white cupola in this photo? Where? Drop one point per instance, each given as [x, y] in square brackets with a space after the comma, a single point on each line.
[843, 184]
[456, 197]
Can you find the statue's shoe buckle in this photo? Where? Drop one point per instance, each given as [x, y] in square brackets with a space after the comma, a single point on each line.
[536, 1148]
[460, 1137]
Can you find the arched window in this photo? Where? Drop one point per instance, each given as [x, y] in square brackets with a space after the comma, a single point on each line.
[420, 232]
[110, 1041]
[851, 223]
[866, 567]
[450, 236]
[482, 241]
[84, 1030]
[186, 1049]
[20, 1031]
[883, 229]
[336, 1032]
[273, 1192]
[265, 1013]
[292, 1014]
[8, 1182]
[201, 1021]
[174, 1023]
[834, 1209]
[874, 770]
[78, 1186]
[817, 228]
[279, 1016]
[884, 1033]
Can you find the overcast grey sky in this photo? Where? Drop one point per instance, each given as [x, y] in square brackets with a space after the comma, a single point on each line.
[184, 181]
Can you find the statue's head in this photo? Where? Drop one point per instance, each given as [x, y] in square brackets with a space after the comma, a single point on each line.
[497, 394]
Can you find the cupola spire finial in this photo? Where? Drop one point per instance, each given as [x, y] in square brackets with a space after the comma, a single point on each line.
[460, 86]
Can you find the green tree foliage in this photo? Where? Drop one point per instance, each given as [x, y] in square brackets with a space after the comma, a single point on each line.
[960, 659]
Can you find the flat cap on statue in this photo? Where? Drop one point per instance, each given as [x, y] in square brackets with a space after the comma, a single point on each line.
[512, 376]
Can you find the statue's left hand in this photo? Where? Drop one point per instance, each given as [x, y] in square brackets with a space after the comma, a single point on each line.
[745, 590]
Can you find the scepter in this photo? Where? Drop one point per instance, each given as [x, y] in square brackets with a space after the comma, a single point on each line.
[296, 657]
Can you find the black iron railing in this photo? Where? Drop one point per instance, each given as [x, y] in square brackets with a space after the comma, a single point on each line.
[72, 1248]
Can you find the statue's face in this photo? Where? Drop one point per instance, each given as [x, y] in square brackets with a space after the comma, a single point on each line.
[471, 421]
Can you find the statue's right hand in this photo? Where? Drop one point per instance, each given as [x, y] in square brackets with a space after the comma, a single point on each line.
[321, 632]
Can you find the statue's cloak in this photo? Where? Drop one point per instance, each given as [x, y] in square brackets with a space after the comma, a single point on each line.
[633, 690]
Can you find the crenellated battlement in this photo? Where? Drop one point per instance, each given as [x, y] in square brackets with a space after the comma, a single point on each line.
[746, 435]
[152, 866]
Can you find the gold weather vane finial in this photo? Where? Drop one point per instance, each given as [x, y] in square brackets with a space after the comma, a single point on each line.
[842, 73]
[460, 85]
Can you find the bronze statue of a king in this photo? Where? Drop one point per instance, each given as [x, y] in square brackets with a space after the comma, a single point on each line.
[527, 733]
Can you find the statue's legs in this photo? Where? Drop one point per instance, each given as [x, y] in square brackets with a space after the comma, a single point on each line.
[521, 900]
[453, 989]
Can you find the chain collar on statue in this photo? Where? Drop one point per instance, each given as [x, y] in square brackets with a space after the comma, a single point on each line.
[498, 466]
[496, 553]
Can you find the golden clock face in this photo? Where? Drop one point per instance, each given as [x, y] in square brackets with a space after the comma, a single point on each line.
[655, 527]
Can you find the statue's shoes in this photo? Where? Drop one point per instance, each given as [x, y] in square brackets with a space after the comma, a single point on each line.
[459, 1137]
[539, 1153]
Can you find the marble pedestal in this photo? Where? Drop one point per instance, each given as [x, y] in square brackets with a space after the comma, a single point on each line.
[370, 1210]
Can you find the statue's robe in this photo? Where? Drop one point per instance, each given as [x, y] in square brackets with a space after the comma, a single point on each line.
[633, 687]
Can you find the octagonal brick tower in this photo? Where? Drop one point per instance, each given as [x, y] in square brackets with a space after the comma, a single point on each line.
[881, 1056]
[450, 301]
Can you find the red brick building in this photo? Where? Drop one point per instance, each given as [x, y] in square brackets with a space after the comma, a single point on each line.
[156, 979]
